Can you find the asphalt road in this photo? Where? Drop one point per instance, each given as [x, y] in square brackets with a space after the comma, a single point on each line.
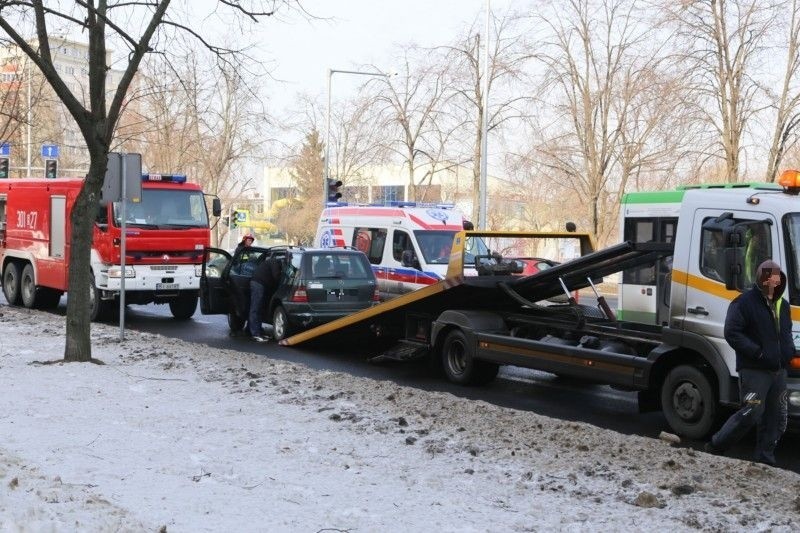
[515, 387]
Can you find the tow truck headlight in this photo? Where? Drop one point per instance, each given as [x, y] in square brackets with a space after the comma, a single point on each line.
[794, 399]
[198, 270]
[116, 272]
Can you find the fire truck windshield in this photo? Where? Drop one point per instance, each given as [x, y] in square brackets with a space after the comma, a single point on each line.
[165, 209]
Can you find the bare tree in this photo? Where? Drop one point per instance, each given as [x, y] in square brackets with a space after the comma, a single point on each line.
[611, 95]
[141, 28]
[357, 139]
[721, 40]
[508, 56]
[787, 98]
[413, 104]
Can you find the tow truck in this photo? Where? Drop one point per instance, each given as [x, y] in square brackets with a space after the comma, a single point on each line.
[665, 340]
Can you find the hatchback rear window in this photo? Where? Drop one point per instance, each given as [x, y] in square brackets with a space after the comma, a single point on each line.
[337, 265]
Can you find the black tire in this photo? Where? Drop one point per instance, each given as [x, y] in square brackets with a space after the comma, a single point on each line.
[99, 310]
[48, 299]
[459, 363]
[280, 324]
[184, 306]
[11, 283]
[689, 402]
[27, 286]
[235, 322]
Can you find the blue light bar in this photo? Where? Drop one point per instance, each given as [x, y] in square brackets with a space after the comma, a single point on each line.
[173, 178]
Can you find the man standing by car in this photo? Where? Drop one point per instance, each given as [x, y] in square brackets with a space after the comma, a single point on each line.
[758, 327]
[262, 287]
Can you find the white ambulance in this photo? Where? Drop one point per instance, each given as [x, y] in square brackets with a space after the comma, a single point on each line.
[407, 243]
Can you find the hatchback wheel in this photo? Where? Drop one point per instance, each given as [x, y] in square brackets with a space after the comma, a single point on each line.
[280, 324]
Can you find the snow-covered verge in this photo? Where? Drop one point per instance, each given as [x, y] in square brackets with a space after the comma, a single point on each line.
[174, 436]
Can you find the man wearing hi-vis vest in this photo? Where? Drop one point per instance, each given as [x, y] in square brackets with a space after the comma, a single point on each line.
[758, 327]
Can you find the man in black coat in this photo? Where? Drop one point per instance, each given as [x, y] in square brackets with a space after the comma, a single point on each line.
[758, 327]
[262, 287]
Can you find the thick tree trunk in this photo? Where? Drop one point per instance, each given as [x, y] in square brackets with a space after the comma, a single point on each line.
[78, 344]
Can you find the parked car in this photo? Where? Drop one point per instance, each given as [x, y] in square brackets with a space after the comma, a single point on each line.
[317, 285]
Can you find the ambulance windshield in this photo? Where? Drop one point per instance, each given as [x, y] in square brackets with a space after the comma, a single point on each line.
[165, 209]
[436, 246]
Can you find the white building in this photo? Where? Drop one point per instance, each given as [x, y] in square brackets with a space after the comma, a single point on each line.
[49, 121]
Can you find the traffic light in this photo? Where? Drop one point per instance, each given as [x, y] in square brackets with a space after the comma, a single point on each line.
[51, 168]
[333, 190]
[3, 167]
[234, 219]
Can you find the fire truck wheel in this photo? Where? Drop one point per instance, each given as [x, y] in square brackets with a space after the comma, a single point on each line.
[48, 298]
[184, 306]
[28, 287]
[11, 285]
[688, 402]
[98, 309]
[280, 324]
[460, 365]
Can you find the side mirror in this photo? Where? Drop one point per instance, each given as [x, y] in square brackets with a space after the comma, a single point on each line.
[216, 207]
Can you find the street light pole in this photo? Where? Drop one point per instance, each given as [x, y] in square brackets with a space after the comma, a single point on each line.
[482, 211]
[331, 72]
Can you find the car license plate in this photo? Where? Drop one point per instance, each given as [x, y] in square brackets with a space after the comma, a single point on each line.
[167, 286]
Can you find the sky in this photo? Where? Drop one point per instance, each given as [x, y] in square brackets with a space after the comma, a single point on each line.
[190, 438]
[357, 33]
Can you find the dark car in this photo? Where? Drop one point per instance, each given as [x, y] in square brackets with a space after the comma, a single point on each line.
[315, 287]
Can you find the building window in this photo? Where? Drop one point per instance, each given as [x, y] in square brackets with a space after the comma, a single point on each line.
[387, 193]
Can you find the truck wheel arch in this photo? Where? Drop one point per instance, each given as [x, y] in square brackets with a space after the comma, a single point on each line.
[467, 321]
[682, 347]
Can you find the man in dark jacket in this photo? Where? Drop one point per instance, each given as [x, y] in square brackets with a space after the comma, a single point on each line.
[262, 287]
[758, 327]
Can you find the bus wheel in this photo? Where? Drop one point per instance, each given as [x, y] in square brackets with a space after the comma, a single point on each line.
[11, 283]
[688, 402]
[459, 363]
[28, 287]
[184, 306]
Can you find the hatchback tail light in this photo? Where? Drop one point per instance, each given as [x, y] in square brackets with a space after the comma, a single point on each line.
[376, 295]
[299, 294]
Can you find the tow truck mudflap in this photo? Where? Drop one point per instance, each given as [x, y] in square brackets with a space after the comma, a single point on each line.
[624, 370]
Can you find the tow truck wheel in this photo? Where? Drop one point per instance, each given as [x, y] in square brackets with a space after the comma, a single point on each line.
[688, 402]
[460, 365]
[184, 306]
[28, 287]
[11, 283]
[280, 324]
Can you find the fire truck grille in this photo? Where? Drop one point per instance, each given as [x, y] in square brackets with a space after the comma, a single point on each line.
[156, 259]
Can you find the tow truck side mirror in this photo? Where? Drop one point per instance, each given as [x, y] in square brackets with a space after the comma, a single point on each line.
[216, 207]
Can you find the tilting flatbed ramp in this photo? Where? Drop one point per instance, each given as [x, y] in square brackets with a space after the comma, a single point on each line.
[386, 321]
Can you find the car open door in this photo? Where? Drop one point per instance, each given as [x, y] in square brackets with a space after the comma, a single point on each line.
[214, 293]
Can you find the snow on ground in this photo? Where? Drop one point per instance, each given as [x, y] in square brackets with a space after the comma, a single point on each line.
[173, 436]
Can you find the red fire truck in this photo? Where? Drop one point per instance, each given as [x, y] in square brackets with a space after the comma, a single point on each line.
[166, 231]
